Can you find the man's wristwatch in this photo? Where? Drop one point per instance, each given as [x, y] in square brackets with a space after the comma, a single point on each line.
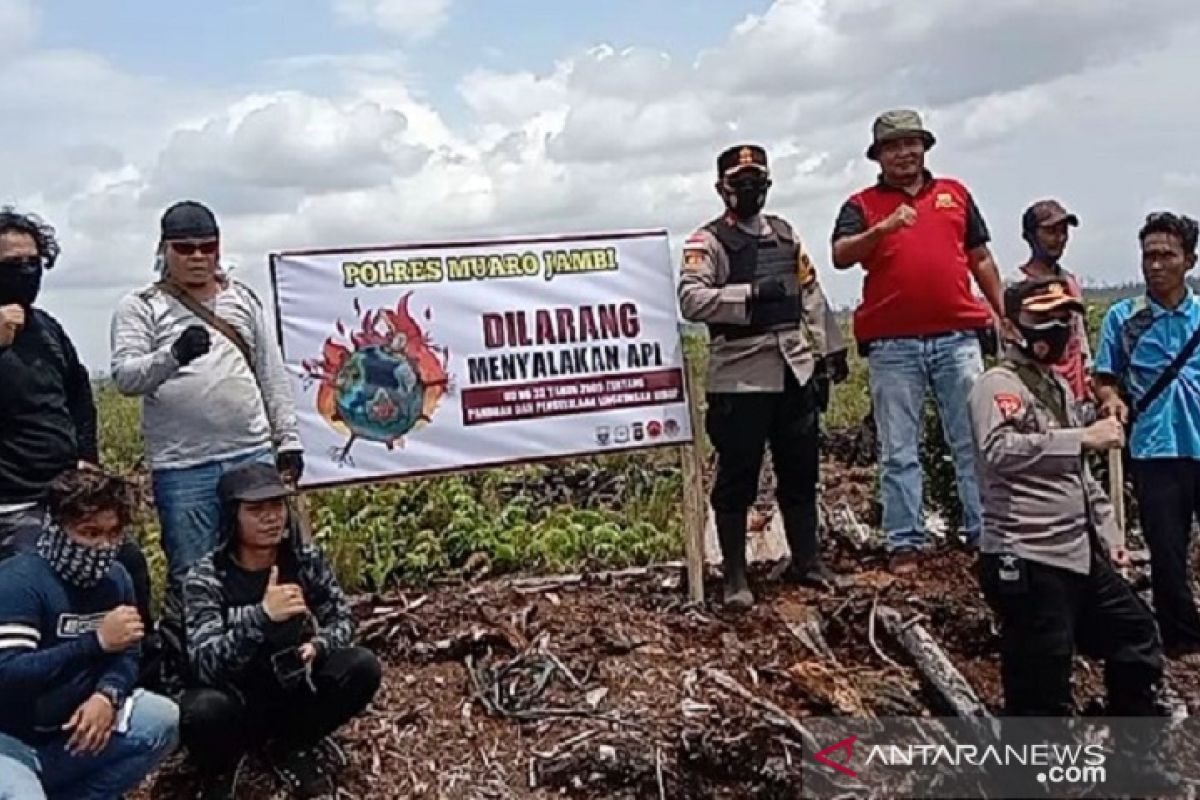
[113, 695]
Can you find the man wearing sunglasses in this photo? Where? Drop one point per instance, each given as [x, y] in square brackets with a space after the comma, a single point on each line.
[197, 347]
[773, 346]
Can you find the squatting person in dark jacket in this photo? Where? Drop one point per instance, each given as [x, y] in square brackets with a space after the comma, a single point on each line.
[70, 717]
[47, 414]
[773, 344]
[263, 647]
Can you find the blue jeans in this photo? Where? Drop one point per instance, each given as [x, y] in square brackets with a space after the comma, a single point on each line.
[902, 371]
[18, 771]
[190, 511]
[152, 733]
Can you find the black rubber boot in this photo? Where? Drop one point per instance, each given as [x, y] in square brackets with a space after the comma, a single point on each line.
[806, 567]
[731, 532]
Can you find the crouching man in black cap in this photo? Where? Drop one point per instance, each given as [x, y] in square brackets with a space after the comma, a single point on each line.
[197, 347]
[772, 342]
[261, 648]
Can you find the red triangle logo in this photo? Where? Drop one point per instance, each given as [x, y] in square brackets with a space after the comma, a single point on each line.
[846, 744]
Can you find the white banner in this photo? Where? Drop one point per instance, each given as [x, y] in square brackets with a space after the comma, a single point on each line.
[435, 357]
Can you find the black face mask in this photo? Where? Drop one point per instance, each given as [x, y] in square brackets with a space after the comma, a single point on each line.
[746, 196]
[1055, 335]
[20, 281]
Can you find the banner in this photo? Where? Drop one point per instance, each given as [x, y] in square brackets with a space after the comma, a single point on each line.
[429, 358]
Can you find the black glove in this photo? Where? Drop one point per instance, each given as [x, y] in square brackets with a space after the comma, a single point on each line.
[290, 464]
[191, 344]
[769, 289]
[839, 370]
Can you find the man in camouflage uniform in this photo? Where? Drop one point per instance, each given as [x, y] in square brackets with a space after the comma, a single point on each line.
[773, 347]
[262, 645]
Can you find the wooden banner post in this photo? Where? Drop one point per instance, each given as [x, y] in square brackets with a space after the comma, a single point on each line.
[695, 503]
[297, 507]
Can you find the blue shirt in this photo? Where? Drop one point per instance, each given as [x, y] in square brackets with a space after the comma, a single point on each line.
[1170, 427]
[50, 655]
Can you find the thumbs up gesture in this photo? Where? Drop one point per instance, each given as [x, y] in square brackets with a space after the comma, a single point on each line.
[282, 601]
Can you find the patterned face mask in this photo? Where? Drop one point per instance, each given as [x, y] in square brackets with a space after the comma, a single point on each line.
[78, 564]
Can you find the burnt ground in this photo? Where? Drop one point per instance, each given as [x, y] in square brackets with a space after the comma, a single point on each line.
[613, 686]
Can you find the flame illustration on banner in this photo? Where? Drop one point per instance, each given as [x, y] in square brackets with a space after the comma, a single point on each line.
[380, 382]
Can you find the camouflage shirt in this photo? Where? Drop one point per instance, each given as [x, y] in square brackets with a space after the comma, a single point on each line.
[210, 642]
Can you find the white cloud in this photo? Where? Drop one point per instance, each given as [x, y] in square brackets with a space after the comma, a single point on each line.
[18, 26]
[1088, 100]
[999, 115]
[267, 153]
[411, 19]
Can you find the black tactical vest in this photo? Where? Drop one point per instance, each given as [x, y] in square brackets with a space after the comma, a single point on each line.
[753, 258]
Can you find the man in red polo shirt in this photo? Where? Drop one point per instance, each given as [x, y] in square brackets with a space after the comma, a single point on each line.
[1045, 227]
[921, 240]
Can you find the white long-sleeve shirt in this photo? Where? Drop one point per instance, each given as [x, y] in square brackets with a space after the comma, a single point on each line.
[213, 408]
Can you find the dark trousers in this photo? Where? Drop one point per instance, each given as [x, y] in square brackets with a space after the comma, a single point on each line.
[741, 425]
[1168, 492]
[1048, 613]
[20, 530]
[218, 727]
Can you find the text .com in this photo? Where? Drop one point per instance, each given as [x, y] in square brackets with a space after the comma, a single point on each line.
[1073, 774]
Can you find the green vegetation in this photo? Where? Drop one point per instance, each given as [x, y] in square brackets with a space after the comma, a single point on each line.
[611, 511]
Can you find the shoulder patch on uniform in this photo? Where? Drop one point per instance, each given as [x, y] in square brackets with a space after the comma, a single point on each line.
[1008, 404]
[805, 271]
[692, 259]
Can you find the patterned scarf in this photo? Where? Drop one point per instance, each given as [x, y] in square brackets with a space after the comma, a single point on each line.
[77, 564]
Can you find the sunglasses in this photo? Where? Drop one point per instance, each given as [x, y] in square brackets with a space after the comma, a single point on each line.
[190, 248]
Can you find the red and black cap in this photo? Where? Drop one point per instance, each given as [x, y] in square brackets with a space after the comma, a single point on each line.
[1046, 214]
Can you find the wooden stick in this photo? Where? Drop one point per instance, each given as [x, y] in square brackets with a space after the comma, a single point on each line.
[1116, 486]
[297, 506]
[695, 505]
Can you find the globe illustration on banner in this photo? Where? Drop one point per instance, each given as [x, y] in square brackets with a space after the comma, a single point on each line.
[381, 382]
[379, 395]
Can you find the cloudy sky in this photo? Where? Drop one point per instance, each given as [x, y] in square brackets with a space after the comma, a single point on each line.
[347, 122]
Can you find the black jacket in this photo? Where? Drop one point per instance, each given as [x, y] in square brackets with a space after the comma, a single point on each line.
[207, 641]
[47, 415]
